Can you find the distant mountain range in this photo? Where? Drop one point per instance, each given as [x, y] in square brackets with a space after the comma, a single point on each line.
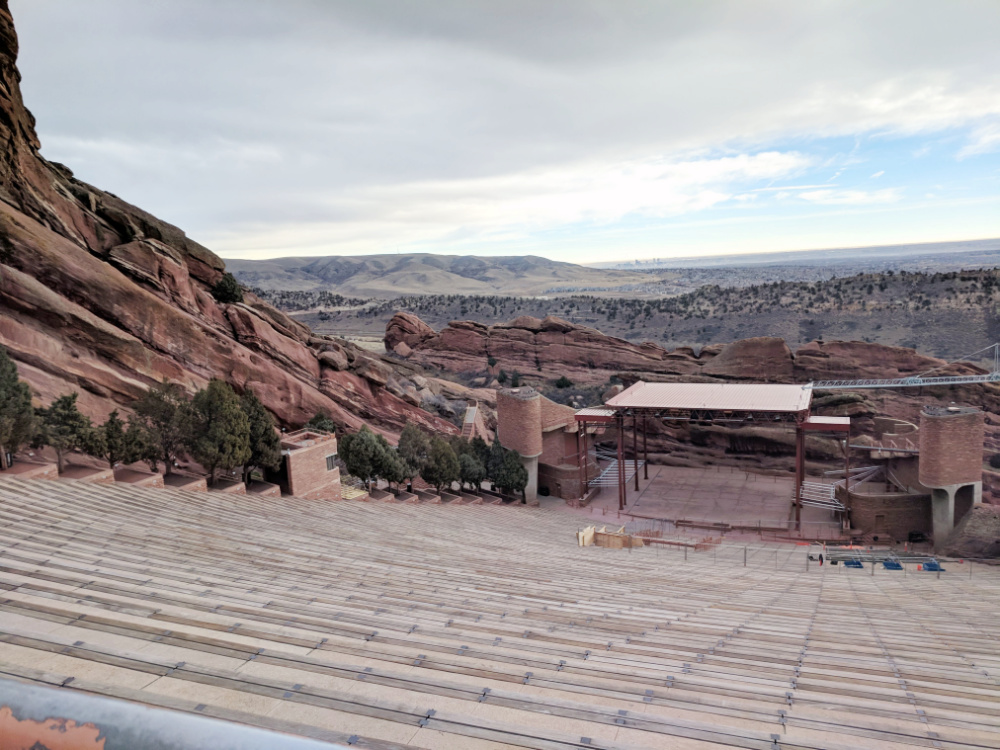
[978, 253]
[389, 276]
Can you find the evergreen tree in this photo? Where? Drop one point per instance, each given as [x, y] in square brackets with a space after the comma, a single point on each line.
[265, 445]
[221, 435]
[362, 454]
[165, 412]
[141, 443]
[513, 476]
[480, 450]
[442, 465]
[227, 290]
[65, 429]
[321, 421]
[392, 468]
[120, 442]
[414, 449]
[471, 471]
[17, 418]
[494, 462]
[460, 445]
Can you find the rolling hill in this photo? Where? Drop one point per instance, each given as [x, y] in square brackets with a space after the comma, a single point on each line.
[389, 276]
[947, 314]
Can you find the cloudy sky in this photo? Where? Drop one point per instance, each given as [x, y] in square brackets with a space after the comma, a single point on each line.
[581, 130]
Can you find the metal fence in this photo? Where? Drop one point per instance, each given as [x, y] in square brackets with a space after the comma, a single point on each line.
[667, 541]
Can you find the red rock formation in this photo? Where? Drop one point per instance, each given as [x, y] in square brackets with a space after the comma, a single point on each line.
[545, 348]
[98, 296]
[762, 359]
[588, 357]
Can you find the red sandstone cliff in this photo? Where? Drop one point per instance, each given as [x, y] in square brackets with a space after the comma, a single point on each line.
[100, 297]
[549, 348]
[545, 348]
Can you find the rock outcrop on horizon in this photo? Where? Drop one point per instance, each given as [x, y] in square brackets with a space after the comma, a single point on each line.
[547, 348]
[551, 347]
[98, 296]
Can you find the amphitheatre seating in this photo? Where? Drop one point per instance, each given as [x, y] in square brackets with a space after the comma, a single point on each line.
[427, 496]
[399, 625]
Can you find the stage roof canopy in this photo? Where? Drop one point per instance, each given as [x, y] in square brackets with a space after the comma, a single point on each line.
[741, 397]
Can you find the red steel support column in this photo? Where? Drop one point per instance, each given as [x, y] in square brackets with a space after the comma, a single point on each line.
[635, 450]
[645, 452]
[621, 462]
[847, 463]
[579, 461]
[800, 471]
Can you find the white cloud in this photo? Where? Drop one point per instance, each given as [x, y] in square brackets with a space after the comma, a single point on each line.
[279, 123]
[852, 197]
[877, 174]
[983, 140]
[513, 206]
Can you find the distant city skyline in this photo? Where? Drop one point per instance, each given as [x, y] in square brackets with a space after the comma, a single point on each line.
[601, 131]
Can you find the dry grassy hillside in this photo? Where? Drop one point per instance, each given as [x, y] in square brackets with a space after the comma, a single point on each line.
[945, 314]
[388, 276]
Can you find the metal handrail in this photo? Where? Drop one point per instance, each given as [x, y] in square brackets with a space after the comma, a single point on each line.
[122, 724]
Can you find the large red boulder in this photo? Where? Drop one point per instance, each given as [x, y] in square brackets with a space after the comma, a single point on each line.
[406, 328]
[761, 359]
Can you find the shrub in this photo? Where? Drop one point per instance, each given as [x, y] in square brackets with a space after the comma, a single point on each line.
[995, 460]
[320, 421]
[564, 382]
[227, 290]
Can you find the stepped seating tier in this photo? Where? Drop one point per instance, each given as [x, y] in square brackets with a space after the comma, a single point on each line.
[395, 625]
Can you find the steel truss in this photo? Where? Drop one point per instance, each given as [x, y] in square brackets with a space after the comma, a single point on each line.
[925, 378]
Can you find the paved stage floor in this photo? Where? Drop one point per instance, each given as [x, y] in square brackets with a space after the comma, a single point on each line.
[713, 495]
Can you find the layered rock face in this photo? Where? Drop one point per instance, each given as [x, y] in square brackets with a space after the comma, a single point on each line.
[545, 348]
[551, 347]
[100, 297]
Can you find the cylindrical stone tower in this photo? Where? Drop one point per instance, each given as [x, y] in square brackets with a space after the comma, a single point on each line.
[951, 445]
[519, 420]
[951, 463]
[519, 428]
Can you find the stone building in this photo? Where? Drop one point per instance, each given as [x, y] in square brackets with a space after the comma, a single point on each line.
[951, 462]
[546, 436]
[925, 479]
[309, 465]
